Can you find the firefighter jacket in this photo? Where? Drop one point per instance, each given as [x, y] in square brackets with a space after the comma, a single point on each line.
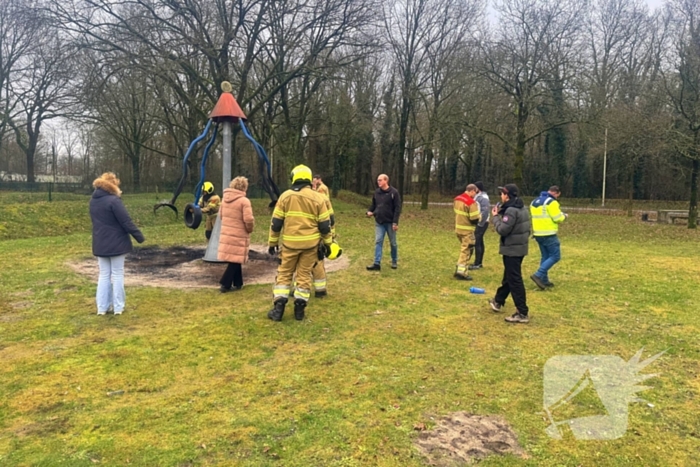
[546, 215]
[329, 206]
[323, 189]
[210, 204]
[467, 213]
[301, 218]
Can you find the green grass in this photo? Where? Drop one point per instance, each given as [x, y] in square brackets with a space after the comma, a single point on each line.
[207, 379]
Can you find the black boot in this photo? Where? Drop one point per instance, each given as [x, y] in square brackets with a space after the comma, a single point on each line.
[299, 306]
[276, 313]
[207, 233]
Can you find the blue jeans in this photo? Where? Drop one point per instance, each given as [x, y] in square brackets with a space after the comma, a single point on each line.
[110, 285]
[379, 232]
[551, 254]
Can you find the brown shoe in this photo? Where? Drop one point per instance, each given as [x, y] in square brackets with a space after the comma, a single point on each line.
[538, 281]
[518, 318]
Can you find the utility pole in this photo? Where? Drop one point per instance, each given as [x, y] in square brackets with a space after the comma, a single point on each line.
[605, 162]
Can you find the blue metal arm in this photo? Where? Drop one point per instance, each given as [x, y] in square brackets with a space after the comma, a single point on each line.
[198, 189]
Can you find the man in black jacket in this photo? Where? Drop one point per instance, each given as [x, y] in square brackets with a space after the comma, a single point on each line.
[386, 209]
[511, 220]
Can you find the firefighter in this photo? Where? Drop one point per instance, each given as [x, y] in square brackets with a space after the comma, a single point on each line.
[302, 220]
[467, 216]
[319, 271]
[209, 202]
[319, 186]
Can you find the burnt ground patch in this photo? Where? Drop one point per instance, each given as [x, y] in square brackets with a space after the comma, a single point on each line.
[183, 267]
[461, 438]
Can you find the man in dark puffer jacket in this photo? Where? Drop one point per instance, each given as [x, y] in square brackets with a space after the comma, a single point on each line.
[511, 220]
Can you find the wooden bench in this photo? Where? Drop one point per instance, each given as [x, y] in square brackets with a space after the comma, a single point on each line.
[669, 216]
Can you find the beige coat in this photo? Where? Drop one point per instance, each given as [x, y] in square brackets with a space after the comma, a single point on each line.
[237, 223]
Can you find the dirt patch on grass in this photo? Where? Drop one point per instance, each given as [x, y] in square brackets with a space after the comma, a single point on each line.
[183, 267]
[461, 438]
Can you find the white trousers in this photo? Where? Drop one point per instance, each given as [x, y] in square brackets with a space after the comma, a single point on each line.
[110, 286]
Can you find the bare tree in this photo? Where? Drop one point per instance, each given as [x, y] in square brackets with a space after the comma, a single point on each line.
[683, 87]
[18, 26]
[445, 45]
[413, 31]
[43, 89]
[521, 60]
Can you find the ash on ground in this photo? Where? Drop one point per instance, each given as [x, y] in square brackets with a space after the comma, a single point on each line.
[462, 438]
[183, 267]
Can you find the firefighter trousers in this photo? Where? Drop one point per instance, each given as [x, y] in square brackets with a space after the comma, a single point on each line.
[300, 262]
[467, 242]
[319, 276]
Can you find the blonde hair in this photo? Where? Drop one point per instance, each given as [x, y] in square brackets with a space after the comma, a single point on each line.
[108, 181]
[239, 183]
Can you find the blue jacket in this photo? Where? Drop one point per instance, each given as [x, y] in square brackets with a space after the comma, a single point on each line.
[111, 225]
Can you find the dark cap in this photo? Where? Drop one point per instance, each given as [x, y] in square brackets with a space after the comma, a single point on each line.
[510, 189]
[480, 185]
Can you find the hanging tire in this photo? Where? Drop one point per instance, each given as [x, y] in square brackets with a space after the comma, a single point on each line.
[193, 215]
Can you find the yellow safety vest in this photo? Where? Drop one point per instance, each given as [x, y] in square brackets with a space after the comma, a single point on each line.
[546, 218]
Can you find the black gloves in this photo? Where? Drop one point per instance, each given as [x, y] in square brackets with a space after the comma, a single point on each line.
[321, 253]
[272, 250]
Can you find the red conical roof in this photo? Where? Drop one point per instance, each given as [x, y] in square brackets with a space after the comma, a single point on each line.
[227, 107]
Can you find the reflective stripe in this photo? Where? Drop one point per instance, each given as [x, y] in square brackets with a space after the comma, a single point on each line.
[558, 216]
[324, 215]
[272, 240]
[301, 214]
[280, 291]
[460, 213]
[540, 216]
[545, 233]
[302, 294]
[301, 238]
[465, 227]
[320, 284]
[278, 213]
[461, 268]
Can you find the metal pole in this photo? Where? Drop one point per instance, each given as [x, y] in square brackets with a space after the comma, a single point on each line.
[210, 255]
[605, 162]
[226, 178]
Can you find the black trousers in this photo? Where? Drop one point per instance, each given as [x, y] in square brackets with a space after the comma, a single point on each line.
[232, 276]
[512, 284]
[479, 246]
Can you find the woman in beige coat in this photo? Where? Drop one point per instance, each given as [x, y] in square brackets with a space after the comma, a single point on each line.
[237, 224]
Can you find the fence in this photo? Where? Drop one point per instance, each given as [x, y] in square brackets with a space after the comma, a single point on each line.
[165, 191]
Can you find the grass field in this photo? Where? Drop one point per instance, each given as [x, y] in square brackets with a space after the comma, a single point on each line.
[198, 378]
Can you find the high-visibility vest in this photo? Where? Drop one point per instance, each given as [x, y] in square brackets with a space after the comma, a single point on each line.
[546, 217]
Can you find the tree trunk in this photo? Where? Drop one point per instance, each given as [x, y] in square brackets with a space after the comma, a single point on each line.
[136, 171]
[693, 211]
[425, 179]
[519, 149]
[401, 150]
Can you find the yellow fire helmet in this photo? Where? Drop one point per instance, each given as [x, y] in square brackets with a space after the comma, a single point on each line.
[335, 252]
[208, 188]
[301, 172]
